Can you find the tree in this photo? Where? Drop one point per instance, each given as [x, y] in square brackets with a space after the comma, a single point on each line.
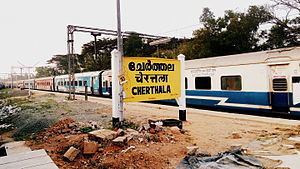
[133, 45]
[44, 71]
[136, 46]
[233, 33]
[89, 62]
[286, 31]
[62, 63]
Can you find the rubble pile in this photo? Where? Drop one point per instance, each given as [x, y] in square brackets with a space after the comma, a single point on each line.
[7, 112]
[66, 143]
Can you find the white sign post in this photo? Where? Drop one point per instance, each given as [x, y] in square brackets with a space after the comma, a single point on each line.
[117, 105]
[181, 100]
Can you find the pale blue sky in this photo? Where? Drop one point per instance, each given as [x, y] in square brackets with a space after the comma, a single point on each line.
[32, 31]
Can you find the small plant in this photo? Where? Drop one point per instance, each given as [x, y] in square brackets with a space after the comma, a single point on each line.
[130, 124]
[86, 129]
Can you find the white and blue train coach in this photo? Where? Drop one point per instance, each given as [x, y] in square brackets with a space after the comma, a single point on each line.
[267, 81]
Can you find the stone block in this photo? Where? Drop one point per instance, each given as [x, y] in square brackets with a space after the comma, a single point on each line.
[90, 147]
[192, 150]
[72, 153]
[104, 134]
[120, 140]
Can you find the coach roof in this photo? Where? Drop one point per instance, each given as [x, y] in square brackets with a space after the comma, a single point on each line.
[263, 57]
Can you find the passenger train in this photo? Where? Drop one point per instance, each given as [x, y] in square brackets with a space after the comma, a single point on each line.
[97, 83]
[267, 81]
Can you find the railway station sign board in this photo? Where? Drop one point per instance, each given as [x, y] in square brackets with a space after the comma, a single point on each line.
[148, 79]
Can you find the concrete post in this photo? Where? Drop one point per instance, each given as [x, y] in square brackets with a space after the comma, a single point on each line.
[182, 98]
[117, 106]
[29, 86]
[85, 93]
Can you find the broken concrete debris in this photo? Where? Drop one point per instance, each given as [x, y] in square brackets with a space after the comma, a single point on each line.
[120, 132]
[120, 140]
[129, 148]
[103, 134]
[192, 150]
[90, 147]
[72, 153]
[175, 129]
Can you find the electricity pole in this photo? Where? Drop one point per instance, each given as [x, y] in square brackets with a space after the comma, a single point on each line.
[119, 117]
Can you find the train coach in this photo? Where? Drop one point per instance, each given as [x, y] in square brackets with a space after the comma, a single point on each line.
[97, 82]
[46, 83]
[29, 83]
[267, 81]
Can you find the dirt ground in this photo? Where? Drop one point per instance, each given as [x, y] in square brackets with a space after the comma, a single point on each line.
[210, 132]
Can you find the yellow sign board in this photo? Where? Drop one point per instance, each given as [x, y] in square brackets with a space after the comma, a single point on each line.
[147, 79]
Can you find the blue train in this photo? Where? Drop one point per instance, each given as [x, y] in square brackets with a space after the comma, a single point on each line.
[97, 83]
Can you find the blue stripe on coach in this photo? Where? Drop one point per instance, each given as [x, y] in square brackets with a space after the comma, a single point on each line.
[255, 98]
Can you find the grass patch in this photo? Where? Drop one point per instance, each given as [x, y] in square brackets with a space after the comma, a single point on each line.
[31, 127]
[130, 124]
[32, 118]
[5, 93]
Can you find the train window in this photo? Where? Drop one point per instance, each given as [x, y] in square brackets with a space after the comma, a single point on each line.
[203, 83]
[186, 83]
[104, 83]
[110, 83]
[67, 83]
[296, 79]
[231, 83]
[84, 83]
[280, 84]
[76, 83]
[80, 83]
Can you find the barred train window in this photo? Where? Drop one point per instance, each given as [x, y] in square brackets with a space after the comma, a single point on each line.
[80, 83]
[231, 83]
[203, 83]
[280, 84]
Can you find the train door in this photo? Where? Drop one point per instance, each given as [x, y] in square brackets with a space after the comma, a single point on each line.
[92, 87]
[279, 94]
[100, 84]
[296, 90]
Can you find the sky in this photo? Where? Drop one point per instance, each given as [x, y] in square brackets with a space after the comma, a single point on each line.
[32, 31]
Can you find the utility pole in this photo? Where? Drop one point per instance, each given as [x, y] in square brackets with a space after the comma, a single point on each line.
[119, 30]
[118, 115]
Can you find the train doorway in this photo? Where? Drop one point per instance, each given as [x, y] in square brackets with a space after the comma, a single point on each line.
[279, 94]
[296, 90]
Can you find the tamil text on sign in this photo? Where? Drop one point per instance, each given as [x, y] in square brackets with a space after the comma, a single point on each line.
[151, 79]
